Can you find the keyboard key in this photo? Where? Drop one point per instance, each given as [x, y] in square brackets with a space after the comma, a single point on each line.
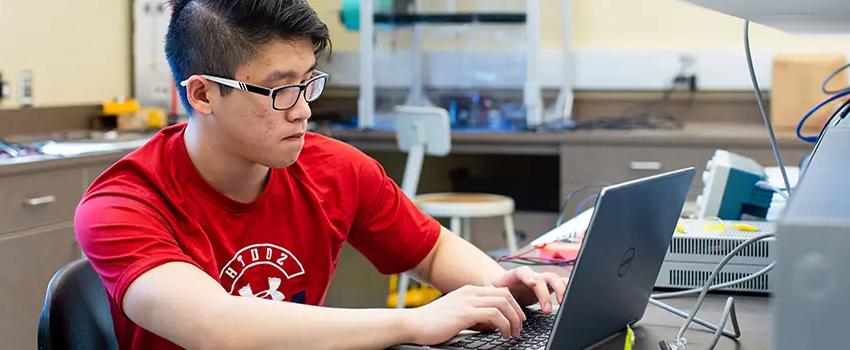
[475, 345]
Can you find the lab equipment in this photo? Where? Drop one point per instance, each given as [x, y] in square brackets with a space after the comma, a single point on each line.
[369, 14]
[698, 245]
[569, 231]
[615, 270]
[730, 189]
[810, 298]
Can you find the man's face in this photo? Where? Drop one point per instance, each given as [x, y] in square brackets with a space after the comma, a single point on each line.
[246, 122]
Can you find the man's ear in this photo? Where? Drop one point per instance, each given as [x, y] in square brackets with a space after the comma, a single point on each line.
[198, 91]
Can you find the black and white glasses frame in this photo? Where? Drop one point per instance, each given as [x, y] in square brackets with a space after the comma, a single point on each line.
[282, 97]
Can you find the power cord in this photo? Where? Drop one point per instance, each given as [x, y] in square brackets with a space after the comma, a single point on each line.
[799, 129]
[832, 76]
[563, 210]
[773, 144]
[841, 113]
[767, 186]
[522, 258]
[680, 343]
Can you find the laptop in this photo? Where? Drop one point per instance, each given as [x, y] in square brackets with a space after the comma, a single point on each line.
[614, 274]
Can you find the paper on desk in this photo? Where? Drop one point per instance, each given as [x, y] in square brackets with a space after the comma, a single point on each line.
[571, 228]
[68, 149]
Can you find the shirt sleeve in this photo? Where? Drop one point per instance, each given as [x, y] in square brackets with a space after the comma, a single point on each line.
[388, 228]
[123, 238]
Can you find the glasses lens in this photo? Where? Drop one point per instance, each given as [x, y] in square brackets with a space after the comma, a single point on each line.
[314, 89]
[286, 97]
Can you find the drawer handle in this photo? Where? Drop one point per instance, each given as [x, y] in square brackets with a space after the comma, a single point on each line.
[636, 165]
[43, 200]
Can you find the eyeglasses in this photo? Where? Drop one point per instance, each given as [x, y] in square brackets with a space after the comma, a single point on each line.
[283, 97]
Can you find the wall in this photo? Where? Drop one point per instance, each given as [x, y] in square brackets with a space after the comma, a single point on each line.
[622, 24]
[618, 44]
[78, 50]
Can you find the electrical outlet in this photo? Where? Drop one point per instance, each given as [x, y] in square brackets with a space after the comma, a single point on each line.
[685, 82]
[25, 96]
[4, 88]
[686, 79]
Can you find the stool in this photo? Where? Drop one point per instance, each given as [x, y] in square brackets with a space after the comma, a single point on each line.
[426, 130]
[461, 207]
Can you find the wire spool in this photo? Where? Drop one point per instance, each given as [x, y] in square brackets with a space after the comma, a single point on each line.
[349, 13]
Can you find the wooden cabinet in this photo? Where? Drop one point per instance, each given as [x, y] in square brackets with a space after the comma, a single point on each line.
[41, 198]
[37, 238]
[28, 260]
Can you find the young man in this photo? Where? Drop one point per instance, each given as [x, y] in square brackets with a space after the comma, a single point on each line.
[224, 232]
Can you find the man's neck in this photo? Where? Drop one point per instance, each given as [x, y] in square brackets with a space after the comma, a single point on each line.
[234, 176]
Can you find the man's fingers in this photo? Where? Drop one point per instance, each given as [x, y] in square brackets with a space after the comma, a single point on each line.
[541, 290]
[505, 308]
[536, 282]
[557, 285]
[496, 318]
[504, 293]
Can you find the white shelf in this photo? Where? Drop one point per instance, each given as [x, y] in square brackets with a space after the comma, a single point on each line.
[794, 16]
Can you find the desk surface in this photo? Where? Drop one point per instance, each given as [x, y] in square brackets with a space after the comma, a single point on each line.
[755, 318]
[705, 134]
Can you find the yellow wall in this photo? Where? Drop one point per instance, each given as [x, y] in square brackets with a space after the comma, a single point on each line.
[78, 50]
[628, 24]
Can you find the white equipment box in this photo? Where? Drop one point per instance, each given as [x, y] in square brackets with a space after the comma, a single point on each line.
[692, 255]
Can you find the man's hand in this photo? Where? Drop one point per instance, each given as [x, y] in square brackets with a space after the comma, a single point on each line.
[531, 287]
[468, 307]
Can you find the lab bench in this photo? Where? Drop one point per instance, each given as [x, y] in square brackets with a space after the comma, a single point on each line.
[37, 203]
[587, 157]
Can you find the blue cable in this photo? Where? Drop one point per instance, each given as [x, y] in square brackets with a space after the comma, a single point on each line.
[814, 139]
[584, 202]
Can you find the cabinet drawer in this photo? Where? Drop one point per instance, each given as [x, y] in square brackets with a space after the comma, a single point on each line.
[42, 198]
[584, 164]
[91, 172]
[28, 260]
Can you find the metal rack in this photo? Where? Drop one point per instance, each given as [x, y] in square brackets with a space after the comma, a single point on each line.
[532, 99]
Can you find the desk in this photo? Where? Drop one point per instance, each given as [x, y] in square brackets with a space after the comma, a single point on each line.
[583, 157]
[755, 318]
[543, 167]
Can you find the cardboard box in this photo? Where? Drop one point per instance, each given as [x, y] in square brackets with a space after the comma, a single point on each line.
[797, 80]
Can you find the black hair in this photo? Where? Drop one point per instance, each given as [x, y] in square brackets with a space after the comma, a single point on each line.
[217, 37]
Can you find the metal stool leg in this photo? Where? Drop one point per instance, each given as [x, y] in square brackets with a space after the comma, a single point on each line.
[403, 283]
[510, 235]
[467, 229]
[454, 226]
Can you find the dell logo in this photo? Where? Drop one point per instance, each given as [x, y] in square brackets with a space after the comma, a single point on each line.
[626, 262]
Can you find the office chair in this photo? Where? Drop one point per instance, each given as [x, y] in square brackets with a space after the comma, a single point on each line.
[76, 311]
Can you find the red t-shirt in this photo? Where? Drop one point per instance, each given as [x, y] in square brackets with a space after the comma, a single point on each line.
[153, 207]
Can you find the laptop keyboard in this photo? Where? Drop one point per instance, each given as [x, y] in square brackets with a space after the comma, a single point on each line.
[534, 335]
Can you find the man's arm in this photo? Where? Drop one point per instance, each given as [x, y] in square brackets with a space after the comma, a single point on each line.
[201, 315]
[454, 262]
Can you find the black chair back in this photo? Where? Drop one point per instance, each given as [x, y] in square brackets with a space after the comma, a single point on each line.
[76, 311]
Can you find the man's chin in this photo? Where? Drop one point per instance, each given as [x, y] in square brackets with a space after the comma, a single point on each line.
[281, 163]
